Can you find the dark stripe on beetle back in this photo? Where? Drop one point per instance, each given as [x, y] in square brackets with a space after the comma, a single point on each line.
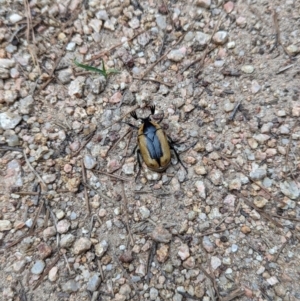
[152, 141]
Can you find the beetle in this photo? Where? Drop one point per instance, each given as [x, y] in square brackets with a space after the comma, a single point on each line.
[154, 146]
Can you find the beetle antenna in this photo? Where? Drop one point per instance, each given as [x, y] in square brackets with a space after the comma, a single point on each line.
[133, 114]
[152, 108]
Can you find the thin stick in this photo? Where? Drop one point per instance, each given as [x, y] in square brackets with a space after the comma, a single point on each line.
[115, 145]
[244, 173]
[278, 36]
[46, 271]
[150, 259]
[280, 250]
[263, 213]
[232, 115]
[42, 193]
[162, 57]
[89, 138]
[11, 148]
[28, 30]
[125, 273]
[100, 269]
[111, 175]
[86, 197]
[55, 64]
[124, 115]
[287, 218]
[234, 294]
[216, 231]
[98, 191]
[201, 58]
[284, 69]
[21, 238]
[126, 214]
[99, 55]
[155, 81]
[289, 145]
[207, 50]
[36, 217]
[43, 184]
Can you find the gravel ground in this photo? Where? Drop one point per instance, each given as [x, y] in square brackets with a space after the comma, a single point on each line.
[74, 223]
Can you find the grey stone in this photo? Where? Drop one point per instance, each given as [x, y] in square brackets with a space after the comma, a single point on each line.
[89, 162]
[161, 21]
[65, 75]
[5, 225]
[26, 104]
[67, 240]
[290, 189]
[9, 120]
[38, 267]
[70, 286]
[153, 293]
[7, 63]
[102, 15]
[81, 245]
[101, 248]
[93, 283]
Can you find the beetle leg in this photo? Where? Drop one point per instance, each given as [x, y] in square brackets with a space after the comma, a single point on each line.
[133, 114]
[177, 157]
[131, 125]
[134, 150]
[138, 154]
[152, 109]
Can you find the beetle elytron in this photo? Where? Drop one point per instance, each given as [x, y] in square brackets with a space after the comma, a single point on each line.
[154, 145]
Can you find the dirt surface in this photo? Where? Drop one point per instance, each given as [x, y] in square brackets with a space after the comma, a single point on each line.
[74, 223]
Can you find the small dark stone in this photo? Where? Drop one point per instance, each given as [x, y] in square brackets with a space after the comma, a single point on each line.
[126, 257]
[223, 238]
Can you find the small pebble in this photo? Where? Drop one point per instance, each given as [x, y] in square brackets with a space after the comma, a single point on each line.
[183, 252]
[93, 283]
[63, 226]
[160, 234]
[5, 225]
[38, 267]
[101, 248]
[215, 262]
[53, 274]
[177, 55]
[70, 286]
[203, 3]
[228, 7]
[247, 69]
[290, 189]
[81, 245]
[220, 37]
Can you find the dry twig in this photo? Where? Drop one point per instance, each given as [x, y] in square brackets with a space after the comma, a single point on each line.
[233, 295]
[155, 81]
[126, 274]
[277, 30]
[126, 214]
[46, 271]
[111, 175]
[150, 259]
[84, 143]
[280, 250]
[162, 57]
[86, 197]
[263, 213]
[104, 52]
[43, 86]
[43, 184]
[124, 115]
